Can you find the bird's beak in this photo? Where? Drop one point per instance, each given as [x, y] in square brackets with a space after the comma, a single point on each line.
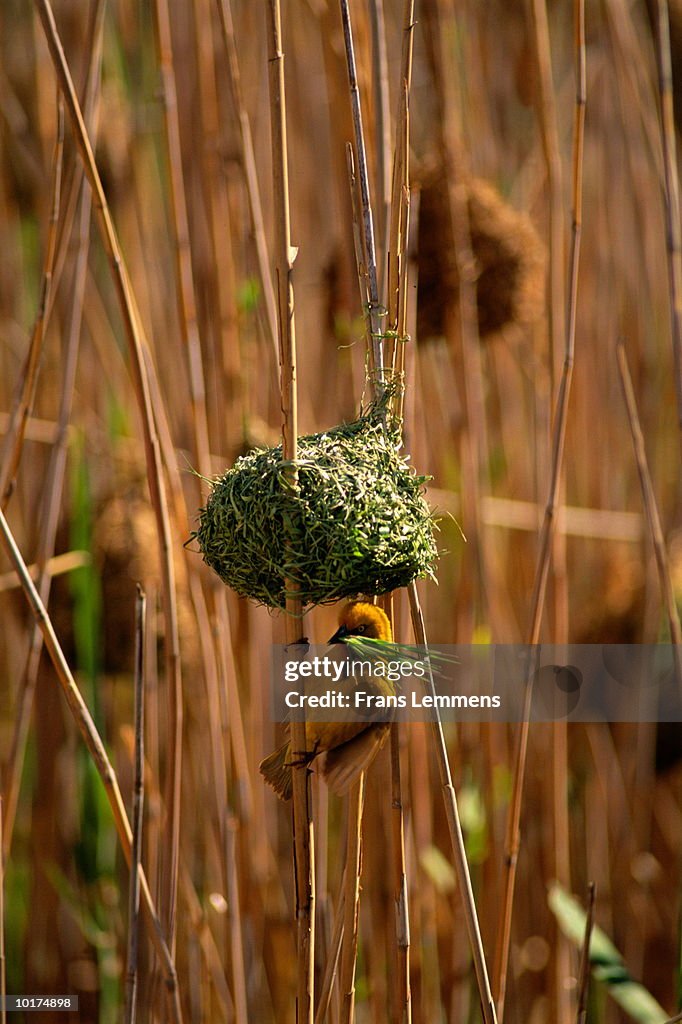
[338, 637]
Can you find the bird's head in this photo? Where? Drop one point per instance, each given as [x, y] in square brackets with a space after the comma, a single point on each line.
[365, 620]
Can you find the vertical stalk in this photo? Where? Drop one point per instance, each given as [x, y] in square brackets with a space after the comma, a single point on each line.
[97, 751]
[187, 306]
[302, 797]
[374, 313]
[652, 514]
[136, 347]
[584, 974]
[455, 827]
[23, 405]
[3, 985]
[57, 467]
[402, 919]
[672, 191]
[383, 128]
[250, 171]
[513, 838]
[349, 948]
[138, 808]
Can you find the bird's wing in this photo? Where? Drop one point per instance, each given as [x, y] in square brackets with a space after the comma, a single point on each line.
[342, 766]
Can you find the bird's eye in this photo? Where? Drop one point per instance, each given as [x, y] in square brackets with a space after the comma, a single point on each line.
[361, 629]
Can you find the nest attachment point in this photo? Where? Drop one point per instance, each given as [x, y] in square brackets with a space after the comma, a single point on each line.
[357, 523]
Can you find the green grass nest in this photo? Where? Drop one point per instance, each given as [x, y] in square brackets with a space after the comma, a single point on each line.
[358, 523]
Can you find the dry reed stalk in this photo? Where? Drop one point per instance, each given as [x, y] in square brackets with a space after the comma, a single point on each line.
[359, 249]
[401, 1004]
[377, 924]
[672, 191]
[196, 915]
[212, 957]
[217, 662]
[136, 346]
[513, 837]
[401, 906]
[3, 984]
[374, 310]
[223, 278]
[397, 245]
[28, 382]
[46, 565]
[65, 226]
[187, 306]
[241, 1014]
[217, 753]
[584, 974]
[334, 954]
[477, 589]
[213, 640]
[233, 710]
[455, 828]
[557, 802]
[138, 809]
[383, 127]
[353, 868]
[400, 186]
[57, 565]
[98, 753]
[552, 154]
[42, 431]
[399, 341]
[365, 254]
[634, 73]
[304, 845]
[651, 510]
[423, 908]
[512, 514]
[250, 172]
[551, 150]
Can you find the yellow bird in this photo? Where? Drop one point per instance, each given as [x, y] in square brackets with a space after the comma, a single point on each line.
[345, 748]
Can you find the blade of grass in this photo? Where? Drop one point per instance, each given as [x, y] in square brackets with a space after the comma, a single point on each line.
[606, 962]
[584, 975]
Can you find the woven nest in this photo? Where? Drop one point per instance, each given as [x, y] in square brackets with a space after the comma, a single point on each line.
[509, 257]
[358, 523]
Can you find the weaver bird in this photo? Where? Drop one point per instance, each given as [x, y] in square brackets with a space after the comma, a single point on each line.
[346, 748]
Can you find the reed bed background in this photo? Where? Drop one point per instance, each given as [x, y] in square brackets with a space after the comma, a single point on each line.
[104, 416]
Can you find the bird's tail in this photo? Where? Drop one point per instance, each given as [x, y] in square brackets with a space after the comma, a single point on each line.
[276, 770]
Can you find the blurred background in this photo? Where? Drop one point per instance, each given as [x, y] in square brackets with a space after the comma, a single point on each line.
[175, 96]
